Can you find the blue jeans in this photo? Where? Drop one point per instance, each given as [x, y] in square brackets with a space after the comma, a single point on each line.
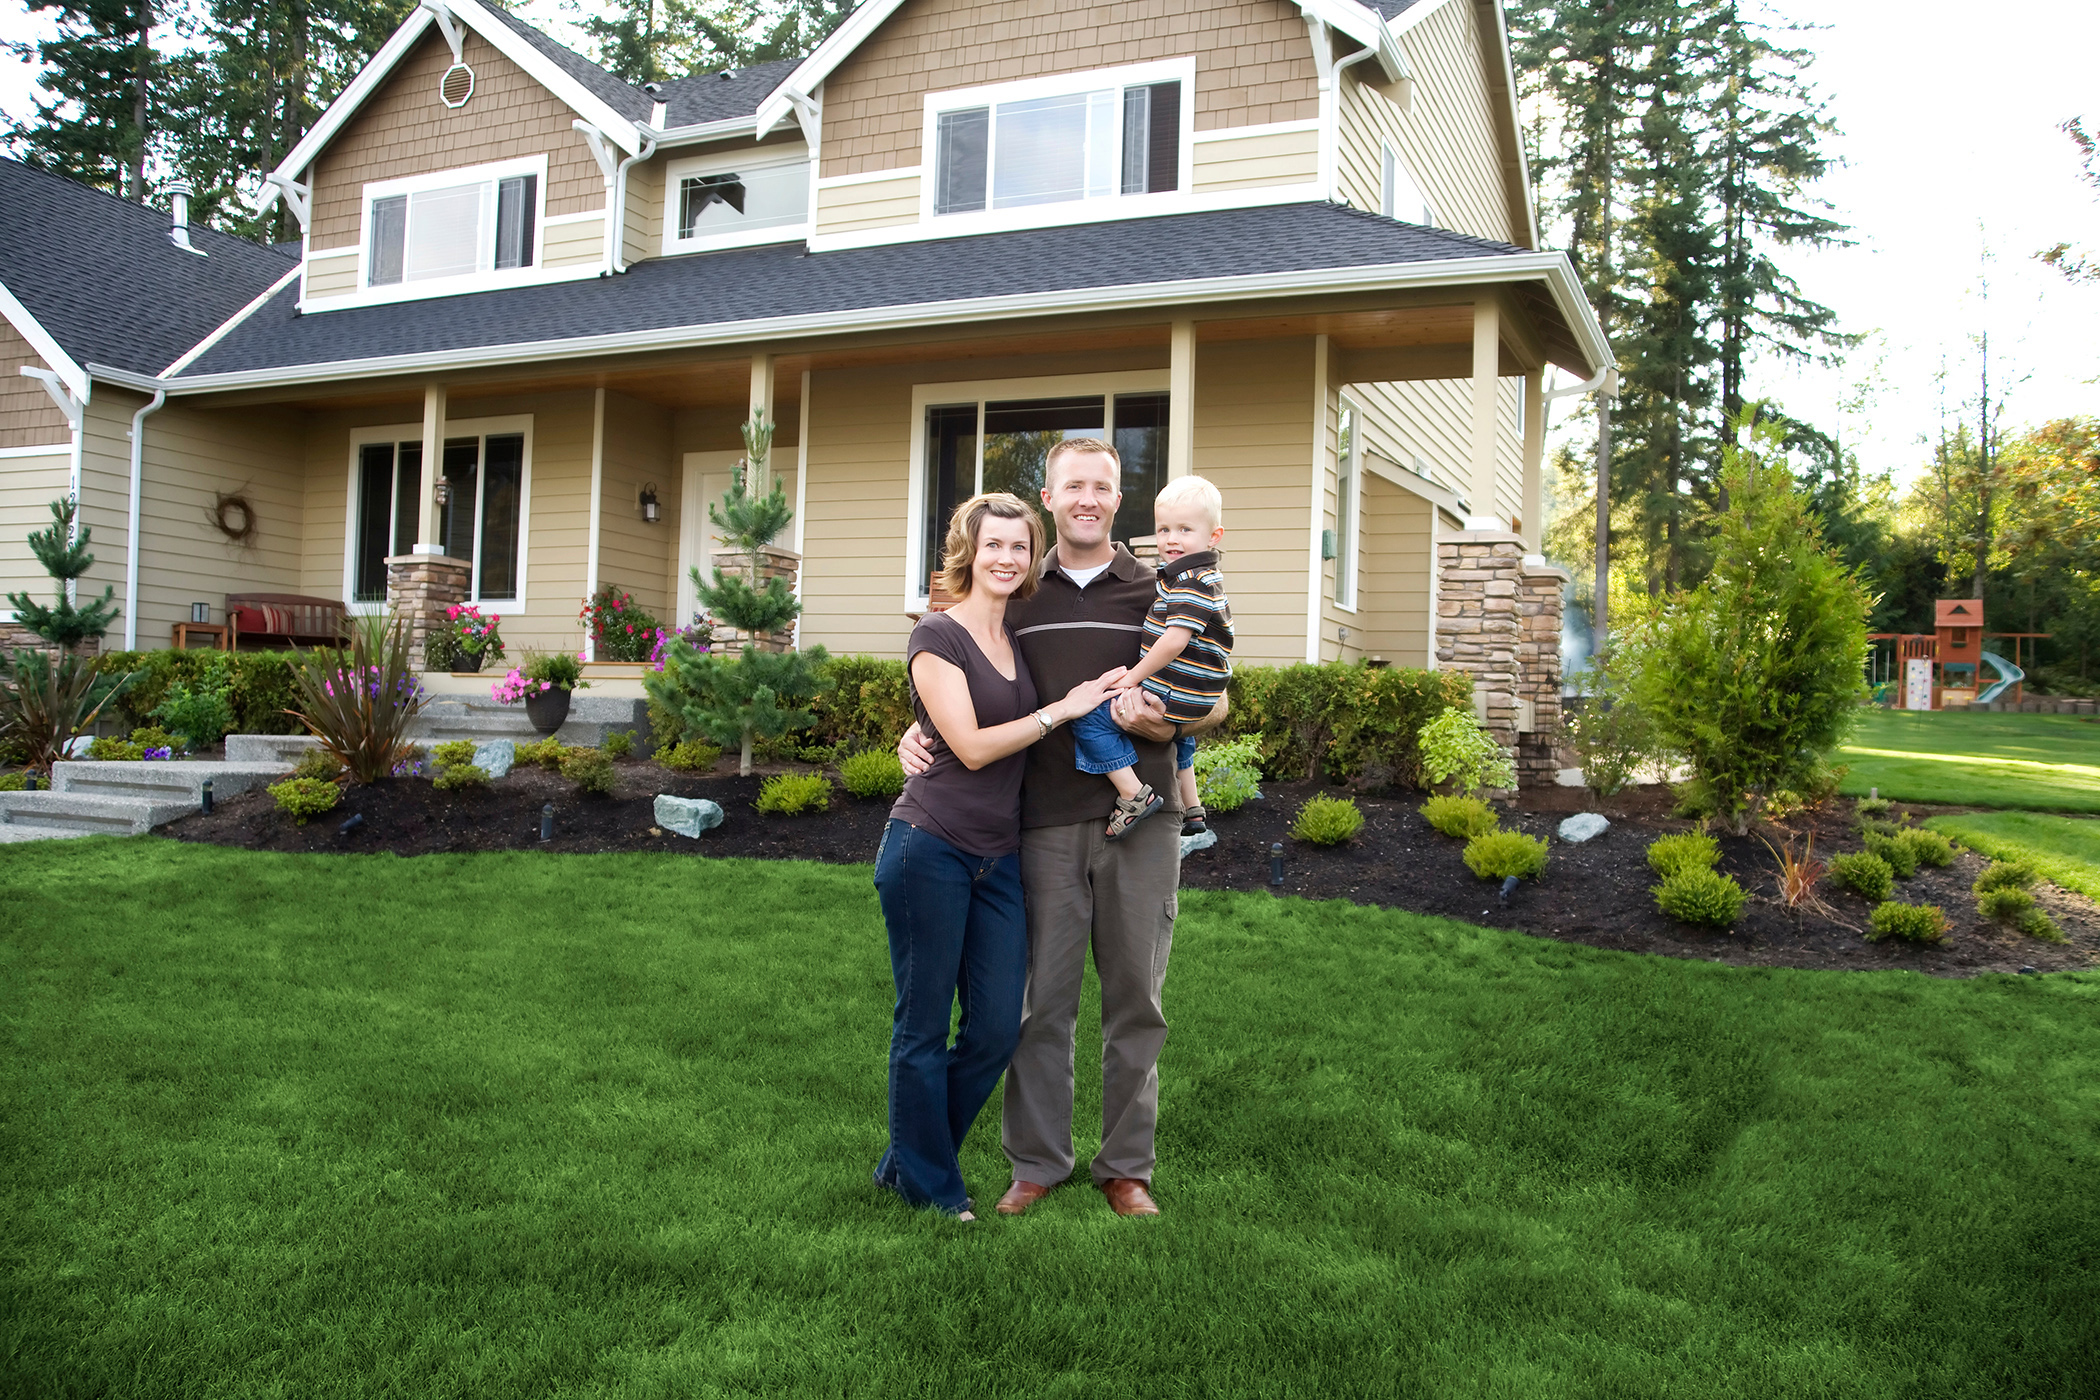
[958, 933]
[1103, 746]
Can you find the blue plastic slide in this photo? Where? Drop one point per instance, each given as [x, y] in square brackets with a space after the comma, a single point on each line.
[2007, 674]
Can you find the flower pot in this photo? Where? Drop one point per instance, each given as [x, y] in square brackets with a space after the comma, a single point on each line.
[463, 660]
[547, 709]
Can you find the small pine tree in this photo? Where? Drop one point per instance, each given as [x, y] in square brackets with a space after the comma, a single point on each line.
[760, 694]
[65, 558]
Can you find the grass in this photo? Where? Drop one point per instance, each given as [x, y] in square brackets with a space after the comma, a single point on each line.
[2064, 849]
[516, 1125]
[2050, 762]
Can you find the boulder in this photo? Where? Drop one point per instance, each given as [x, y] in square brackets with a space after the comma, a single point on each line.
[688, 816]
[1582, 826]
[1200, 842]
[496, 757]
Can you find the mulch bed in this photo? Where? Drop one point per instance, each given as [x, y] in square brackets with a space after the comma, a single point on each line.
[1595, 893]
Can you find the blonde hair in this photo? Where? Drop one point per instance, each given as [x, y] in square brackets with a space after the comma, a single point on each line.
[959, 550]
[1071, 445]
[1194, 491]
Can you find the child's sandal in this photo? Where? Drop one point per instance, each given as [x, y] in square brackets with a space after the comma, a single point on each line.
[1132, 810]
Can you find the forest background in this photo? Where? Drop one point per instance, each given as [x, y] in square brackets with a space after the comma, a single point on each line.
[1684, 152]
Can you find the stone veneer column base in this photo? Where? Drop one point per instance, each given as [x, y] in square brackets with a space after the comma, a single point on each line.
[419, 587]
[1499, 620]
[773, 562]
[15, 637]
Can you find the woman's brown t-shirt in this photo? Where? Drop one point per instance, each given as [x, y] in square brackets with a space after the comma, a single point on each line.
[976, 812]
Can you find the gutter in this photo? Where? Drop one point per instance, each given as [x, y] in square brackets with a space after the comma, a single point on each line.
[159, 390]
[1551, 268]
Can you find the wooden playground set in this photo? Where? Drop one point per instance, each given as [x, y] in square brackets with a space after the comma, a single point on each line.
[1944, 668]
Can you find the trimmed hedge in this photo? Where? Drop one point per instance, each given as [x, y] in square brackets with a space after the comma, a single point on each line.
[1346, 719]
[262, 686]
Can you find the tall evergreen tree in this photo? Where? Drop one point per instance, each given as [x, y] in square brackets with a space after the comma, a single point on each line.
[98, 124]
[646, 41]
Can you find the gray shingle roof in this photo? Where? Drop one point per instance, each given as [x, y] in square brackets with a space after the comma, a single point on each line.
[711, 97]
[101, 276]
[713, 291]
[1390, 9]
[617, 93]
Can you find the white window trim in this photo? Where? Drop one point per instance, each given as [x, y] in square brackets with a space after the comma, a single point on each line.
[1392, 169]
[485, 277]
[1070, 211]
[483, 428]
[717, 162]
[1354, 544]
[917, 567]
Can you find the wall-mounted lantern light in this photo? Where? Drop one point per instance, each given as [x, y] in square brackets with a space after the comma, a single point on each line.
[441, 494]
[651, 513]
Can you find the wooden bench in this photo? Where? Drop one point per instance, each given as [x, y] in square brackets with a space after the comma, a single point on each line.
[290, 617]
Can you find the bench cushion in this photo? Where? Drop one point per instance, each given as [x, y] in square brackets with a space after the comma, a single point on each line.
[288, 620]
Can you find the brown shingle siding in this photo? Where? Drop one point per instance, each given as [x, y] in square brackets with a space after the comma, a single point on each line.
[28, 418]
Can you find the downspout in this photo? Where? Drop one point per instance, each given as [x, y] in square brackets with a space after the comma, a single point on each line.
[1330, 86]
[131, 552]
[617, 199]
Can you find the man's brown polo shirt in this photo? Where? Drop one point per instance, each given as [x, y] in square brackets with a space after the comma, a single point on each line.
[1070, 634]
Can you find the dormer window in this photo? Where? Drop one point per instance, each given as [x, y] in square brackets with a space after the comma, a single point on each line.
[454, 223]
[1109, 134]
[733, 199]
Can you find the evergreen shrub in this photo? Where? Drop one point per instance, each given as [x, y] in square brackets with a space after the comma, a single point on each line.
[2006, 875]
[873, 773]
[319, 764]
[1872, 806]
[1497, 855]
[2035, 924]
[13, 782]
[1686, 850]
[868, 706]
[1910, 923]
[304, 798]
[1463, 817]
[1864, 873]
[1900, 855]
[453, 752]
[261, 690]
[589, 769]
[1928, 847]
[1696, 894]
[2006, 905]
[1456, 747]
[1228, 773]
[1328, 821]
[547, 753]
[453, 777]
[618, 744]
[692, 756]
[791, 794]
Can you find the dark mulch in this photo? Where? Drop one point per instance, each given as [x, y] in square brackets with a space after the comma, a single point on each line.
[1595, 893]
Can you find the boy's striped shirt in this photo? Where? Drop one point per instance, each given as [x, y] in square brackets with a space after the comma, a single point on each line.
[1192, 595]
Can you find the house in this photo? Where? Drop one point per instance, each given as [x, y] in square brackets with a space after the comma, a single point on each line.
[1288, 244]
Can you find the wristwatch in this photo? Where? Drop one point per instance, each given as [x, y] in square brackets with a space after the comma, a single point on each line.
[1042, 717]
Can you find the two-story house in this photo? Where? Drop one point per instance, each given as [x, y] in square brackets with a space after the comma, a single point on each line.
[1287, 244]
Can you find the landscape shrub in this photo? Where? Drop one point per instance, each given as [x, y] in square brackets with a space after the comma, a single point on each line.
[453, 752]
[2035, 924]
[2006, 875]
[693, 756]
[791, 794]
[13, 782]
[1343, 719]
[1463, 817]
[1879, 826]
[665, 727]
[547, 753]
[618, 744]
[1928, 847]
[873, 773]
[1698, 895]
[1612, 737]
[1909, 923]
[200, 709]
[110, 749]
[48, 701]
[589, 769]
[1228, 773]
[1328, 821]
[1900, 855]
[302, 798]
[1755, 674]
[2005, 905]
[1685, 850]
[261, 690]
[1497, 855]
[1864, 873]
[452, 777]
[360, 700]
[318, 764]
[868, 706]
[1456, 747]
[1872, 806]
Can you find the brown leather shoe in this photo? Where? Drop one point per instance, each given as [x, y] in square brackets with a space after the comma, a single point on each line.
[1020, 1196]
[1128, 1197]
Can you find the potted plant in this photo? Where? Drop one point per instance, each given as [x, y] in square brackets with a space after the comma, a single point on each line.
[474, 639]
[544, 685]
[618, 626]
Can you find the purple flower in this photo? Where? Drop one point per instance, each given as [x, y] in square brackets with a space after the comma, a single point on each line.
[160, 753]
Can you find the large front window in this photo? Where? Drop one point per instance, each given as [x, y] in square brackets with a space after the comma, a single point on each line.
[481, 519]
[1056, 141]
[457, 223]
[1002, 443]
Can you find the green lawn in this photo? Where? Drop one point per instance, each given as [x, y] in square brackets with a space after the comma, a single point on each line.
[518, 1125]
[2050, 762]
[2064, 849]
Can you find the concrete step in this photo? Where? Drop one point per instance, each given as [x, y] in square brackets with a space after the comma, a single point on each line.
[591, 718]
[170, 780]
[269, 748]
[79, 814]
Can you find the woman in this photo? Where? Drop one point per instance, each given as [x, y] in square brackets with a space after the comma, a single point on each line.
[949, 872]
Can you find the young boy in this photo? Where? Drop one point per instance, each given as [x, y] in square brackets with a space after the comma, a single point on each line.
[1187, 659]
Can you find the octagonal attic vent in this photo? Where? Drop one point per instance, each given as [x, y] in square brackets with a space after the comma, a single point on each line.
[456, 86]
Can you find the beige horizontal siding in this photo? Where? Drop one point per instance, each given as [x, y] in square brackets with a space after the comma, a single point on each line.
[1396, 589]
[644, 216]
[1254, 440]
[28, 417]
[855, 529]
[636, 556]
[568, 244]
[331, 277]
[28, 486]
[873, 204]
[1433, 419]
[1249, 162]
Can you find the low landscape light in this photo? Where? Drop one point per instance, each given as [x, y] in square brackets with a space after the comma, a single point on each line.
[547, 822]
[204, 795]
[1276, 863]
[357, 819]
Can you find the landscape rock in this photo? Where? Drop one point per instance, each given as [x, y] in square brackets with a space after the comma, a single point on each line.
[688, 816]
[496, 757]
[1582, 826]
[1203, 841]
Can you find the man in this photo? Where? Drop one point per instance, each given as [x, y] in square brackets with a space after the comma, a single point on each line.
[1081, 888]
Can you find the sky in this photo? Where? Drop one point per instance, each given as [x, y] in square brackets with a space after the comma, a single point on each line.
[1948, 146]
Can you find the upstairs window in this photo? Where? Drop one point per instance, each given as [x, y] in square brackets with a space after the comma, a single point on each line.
[1399, 197]
[454, 223]
[1056, 141]
[723, 200]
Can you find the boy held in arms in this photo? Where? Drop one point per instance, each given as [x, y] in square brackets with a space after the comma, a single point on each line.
[1187, 658]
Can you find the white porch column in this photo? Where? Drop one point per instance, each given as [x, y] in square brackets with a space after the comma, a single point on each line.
[427, 541]
[590, 547]
[1487, 365]
[1534, 522]
[1181, 399]
[762, 405]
